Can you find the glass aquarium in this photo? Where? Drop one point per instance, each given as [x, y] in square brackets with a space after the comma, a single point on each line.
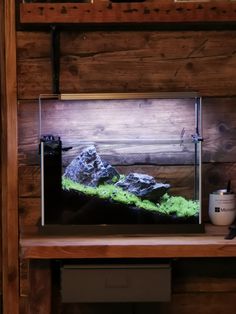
[121, 162]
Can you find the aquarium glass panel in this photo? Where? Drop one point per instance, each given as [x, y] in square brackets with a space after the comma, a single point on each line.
[120, 159]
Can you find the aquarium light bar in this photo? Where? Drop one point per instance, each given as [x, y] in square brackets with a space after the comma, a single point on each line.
[153, 95]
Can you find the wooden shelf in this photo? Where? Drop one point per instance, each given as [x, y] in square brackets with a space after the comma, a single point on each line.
[209, 244]
[162, 11]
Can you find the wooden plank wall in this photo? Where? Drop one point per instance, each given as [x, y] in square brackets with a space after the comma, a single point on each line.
[130, 61]
[102, 61]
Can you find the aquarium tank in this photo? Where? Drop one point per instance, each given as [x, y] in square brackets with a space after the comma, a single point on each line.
[121, 162]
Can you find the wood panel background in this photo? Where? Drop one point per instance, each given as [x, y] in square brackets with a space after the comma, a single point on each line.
[202, 61]
[120, 61]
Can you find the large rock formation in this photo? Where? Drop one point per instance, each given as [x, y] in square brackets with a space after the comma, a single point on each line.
[89, 168]
[144, 186]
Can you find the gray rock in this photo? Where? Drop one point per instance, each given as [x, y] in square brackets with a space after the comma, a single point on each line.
[89, 168]
[144, 186]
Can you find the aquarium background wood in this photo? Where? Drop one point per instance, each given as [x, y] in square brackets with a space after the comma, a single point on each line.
[218, 130]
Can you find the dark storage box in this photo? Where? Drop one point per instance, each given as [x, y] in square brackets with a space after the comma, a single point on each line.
[116, 283]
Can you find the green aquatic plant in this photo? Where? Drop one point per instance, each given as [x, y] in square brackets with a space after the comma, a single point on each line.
[179, 206]
[68, 184]
[115, 179]
[104, 191]
[169, 205]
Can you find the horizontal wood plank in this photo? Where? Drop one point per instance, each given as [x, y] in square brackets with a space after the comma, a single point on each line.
[129, 61]
[197, 245]
[148, 12]
[219, 143]
[161, 248]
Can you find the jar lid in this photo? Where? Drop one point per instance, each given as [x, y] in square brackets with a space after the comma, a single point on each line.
[222, 192]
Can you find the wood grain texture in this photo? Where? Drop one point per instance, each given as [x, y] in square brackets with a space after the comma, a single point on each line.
[9, 199]
[29, 212]
[144, 130]
[40, 287]
[148, 12]
[218, 121]
[129, 61]
[197, 245]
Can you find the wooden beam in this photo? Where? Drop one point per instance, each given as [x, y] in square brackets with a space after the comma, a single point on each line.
[209, 244]
[9, 197]
[132, 13]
